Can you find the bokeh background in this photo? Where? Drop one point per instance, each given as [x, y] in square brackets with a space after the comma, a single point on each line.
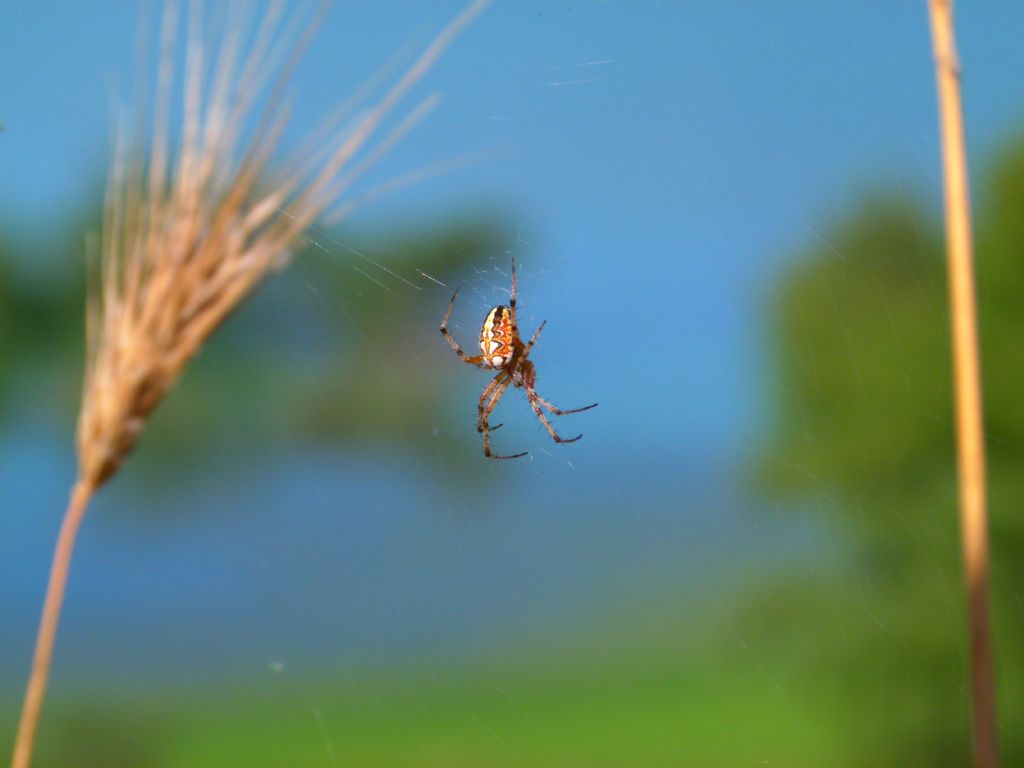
[729, 215]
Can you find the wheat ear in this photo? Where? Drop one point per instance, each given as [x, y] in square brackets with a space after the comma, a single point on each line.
[185, 241]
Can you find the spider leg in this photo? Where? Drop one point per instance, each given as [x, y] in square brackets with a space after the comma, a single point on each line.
[560, 411]
[488, 391]
[533, 397]
[512, 302]
[479, 359]
[486, 414]
[533, 339]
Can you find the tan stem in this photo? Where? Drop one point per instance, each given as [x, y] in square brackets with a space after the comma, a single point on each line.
[48, 624]
[967, 376]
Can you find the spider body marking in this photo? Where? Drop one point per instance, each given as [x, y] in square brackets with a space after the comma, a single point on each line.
[497, 340]
[501, 349]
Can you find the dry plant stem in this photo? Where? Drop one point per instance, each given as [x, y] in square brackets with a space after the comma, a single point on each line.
[48, 624]
[967, 375]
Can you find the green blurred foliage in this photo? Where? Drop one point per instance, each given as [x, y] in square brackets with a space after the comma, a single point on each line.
[863, 428]
[41, 311]
[115, 734]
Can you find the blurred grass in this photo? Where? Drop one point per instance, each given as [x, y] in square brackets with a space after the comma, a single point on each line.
[634, 712]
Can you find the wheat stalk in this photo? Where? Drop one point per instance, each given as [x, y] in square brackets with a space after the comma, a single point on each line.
[185, 241]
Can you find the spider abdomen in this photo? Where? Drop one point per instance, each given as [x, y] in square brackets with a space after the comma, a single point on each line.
[496, 337]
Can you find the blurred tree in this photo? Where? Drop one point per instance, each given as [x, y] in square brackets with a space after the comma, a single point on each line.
[863, 426]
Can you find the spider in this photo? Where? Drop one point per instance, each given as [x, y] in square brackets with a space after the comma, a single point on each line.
[504, 351]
